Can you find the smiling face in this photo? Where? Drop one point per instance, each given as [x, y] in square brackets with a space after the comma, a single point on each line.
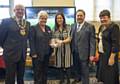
[60, 20]
[19, 11]
[105, 20]
[42, 16]
[43, 20]
[80, 16]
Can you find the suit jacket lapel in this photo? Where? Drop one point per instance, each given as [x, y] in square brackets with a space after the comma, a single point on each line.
[15, 23]
[82, 30]
[73, 30]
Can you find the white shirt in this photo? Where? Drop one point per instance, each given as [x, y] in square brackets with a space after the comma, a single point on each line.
[79, 26]
[100, 45]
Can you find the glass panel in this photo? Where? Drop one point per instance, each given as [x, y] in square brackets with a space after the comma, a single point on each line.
[102, 4]
[4, 13]
[87, 6]
[23, 2]
[4, 2]
[93, 8]
[116, 10]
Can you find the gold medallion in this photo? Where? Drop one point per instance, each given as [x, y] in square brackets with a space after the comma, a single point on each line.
[22, 28]
[22, 25]
[22, 32]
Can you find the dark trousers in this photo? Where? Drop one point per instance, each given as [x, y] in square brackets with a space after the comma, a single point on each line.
[40, 69]
[81, 68]
[13, 70]
[2, 73]
[65, 75]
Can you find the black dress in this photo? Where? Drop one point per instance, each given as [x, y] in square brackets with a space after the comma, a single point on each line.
[110, 40]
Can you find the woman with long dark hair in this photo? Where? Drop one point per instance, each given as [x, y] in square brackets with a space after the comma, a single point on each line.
[61, 36]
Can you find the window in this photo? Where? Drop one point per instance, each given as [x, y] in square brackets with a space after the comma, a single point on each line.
[4, 2]
[23, 2]
[5, 5]
[4, 9]
[87, 6]
[116, 10]
[93, 8]
[102, 4]
[4, 14]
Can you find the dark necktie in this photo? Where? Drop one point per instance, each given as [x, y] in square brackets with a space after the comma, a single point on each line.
[78, 27]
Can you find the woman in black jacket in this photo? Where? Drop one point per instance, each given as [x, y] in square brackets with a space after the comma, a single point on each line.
[108, 47]
[40, 36]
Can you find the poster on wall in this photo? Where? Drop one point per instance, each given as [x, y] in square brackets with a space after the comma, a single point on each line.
[32, 12]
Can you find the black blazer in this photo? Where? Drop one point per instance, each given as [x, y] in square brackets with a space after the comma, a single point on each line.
[13, 43]
[110, 38]
[39, 42]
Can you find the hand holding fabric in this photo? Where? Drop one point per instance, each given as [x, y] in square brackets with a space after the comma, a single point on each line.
[111, 60]
[96, 58]
[55, 43]
[91, 58]
[58, 42]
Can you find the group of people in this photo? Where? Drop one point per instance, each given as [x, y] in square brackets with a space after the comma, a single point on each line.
[72, 45]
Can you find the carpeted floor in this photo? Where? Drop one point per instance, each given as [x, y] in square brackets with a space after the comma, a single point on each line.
[53, 76]
[92, 81]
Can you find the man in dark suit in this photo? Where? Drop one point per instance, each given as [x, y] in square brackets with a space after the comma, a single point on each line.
[83, 46]
[13, 39]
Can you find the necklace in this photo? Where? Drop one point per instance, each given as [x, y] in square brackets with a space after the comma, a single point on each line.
[22, 26]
